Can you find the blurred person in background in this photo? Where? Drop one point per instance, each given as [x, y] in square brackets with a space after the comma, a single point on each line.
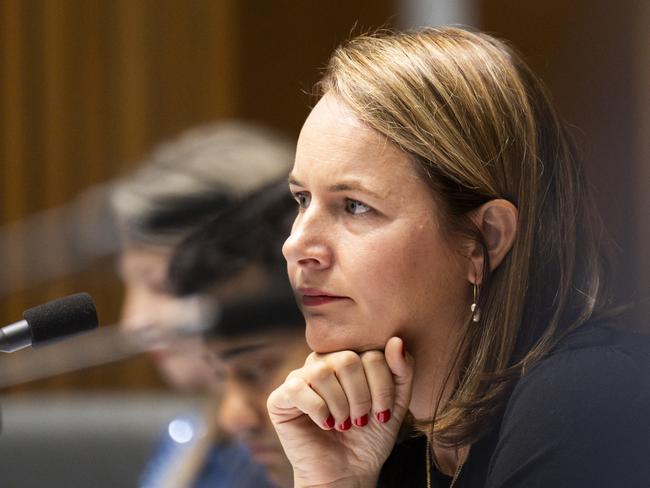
[206, 171]
[259, 342]
[258, 337]
[184, 183]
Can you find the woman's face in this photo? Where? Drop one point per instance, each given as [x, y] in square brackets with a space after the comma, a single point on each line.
[366, 254]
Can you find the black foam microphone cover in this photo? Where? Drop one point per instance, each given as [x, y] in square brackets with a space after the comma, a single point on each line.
[61, 318]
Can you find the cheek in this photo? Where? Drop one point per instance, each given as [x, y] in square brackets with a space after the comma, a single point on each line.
[406, 279]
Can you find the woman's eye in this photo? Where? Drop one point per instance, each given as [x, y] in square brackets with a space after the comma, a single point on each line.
[302, 198]
[356, 207]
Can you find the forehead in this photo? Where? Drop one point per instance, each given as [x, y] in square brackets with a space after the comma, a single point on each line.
[336, 143]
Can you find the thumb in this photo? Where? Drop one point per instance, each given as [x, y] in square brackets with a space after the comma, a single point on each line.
[401, 365]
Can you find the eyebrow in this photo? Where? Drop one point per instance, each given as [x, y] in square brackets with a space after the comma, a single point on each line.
[352, 185]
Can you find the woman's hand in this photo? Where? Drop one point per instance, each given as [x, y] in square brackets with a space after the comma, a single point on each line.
[338, 416]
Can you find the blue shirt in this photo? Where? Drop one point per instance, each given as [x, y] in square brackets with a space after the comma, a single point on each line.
[227, 465]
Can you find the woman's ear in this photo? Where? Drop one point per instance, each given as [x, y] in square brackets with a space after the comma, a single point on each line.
[497, 222]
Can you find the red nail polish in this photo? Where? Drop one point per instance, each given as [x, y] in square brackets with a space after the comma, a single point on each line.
[384, 416]
[329, 422]
[346, 425]
[361, 421]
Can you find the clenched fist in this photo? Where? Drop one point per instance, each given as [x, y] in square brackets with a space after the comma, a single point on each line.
[339, 415]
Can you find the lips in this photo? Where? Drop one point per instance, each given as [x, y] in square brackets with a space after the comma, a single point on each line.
[312, 297]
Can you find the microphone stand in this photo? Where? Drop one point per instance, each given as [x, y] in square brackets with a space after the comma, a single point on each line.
[105, 345]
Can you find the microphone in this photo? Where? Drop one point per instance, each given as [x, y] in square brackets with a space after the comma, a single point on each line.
[50, 321]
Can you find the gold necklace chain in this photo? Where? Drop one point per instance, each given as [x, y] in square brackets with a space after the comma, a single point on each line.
[428, 462]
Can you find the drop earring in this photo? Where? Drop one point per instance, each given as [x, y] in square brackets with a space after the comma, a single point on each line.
[476, 313]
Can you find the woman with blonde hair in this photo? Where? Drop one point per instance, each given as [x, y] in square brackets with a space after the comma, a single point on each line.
[448, 261]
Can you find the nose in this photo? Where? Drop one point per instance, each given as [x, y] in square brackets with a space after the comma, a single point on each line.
[308, 245]
[237, 411]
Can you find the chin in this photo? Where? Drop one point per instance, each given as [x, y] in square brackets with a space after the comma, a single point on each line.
[326, 338]
[323, 337]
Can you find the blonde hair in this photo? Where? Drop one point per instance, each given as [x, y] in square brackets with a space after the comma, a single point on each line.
[480, 126]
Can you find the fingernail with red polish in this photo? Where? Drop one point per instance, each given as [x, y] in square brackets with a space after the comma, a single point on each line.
[384, 416]
[346, 425]
[361, 421]
[329, 422]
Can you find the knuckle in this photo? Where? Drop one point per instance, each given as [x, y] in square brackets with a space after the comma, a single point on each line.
[312, 357]
[371, 358]
[296, 373]
[319, 371]
[319, 408]
[293, 385]
[315, 357]
[346, 360]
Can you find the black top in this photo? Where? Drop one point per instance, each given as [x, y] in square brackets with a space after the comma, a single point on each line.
[579, 418]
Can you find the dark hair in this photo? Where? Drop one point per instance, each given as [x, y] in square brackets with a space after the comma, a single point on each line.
[185, 182]
[273, 308]
[249, 233]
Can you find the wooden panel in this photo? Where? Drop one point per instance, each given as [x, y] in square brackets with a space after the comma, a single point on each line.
[13, 113]
[87, 87]
[284, 45]
[590, 53]
[12, 130]
[193, 63]
[131, 74]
